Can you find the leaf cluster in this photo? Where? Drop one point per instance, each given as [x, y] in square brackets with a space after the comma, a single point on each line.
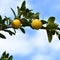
[6, 56]
[26, 16]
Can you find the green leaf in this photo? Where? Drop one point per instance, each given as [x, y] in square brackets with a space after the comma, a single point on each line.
[19, 16]
[30, 15]
[24, 22]
[22, 30]
[18, 10]
[2, 36]
[7, 55]
[6, 20]
[13, 12]
[4, 59]
[4, 54]
[51, 19]
[59, 36]
[10, 32]
[1, 20]
[36, 16]
[23, 7]
[27, 10]
[24, 14]
[27, 13]
[52, 26]
[57, 33]
[10, 58]
[53, 32]
[49, 34]
[4, 26]
[43, 21]
[14, 30]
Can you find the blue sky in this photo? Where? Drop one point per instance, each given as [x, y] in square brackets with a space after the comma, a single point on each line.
[33, 45]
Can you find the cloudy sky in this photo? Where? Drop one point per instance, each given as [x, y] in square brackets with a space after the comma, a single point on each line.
[33, 45]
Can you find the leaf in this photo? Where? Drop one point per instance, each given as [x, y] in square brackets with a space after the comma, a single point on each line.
[43, 21]
[30, 15]
[4, 26]
[53, 32]
[22, 30]
[1, 20]
[7, 55]
[10, 58]
[10, 32]
[24, 14]
[24, 22]
[6, 20]
[49, 34]
[57, 33]
[4, 53]
[13, 12]
[59, 36]
[36, 16]
[4, 59]
[18, 10]
[2, 36]
[27, 10]
[14, 30]
[23, 7]
[52, 26]
[51, 19]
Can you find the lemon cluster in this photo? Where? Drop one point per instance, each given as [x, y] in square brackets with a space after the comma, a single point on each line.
[36, 24]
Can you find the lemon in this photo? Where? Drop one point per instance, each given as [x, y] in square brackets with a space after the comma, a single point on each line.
[36, 24]
[16, 23]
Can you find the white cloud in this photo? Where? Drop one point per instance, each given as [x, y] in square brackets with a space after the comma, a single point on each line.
[16, 44]
[19, 44]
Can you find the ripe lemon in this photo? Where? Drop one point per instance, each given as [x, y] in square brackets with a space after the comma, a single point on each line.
[36, 24]
[16, 23]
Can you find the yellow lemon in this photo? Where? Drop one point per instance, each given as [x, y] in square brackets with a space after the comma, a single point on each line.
[16, 23]
[36, 24]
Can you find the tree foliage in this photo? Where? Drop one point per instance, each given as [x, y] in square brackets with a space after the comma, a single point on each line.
[26, 16]
[6, 56]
